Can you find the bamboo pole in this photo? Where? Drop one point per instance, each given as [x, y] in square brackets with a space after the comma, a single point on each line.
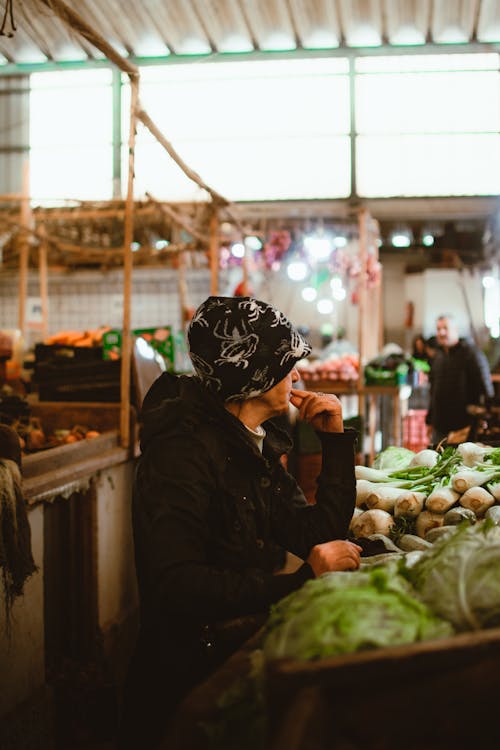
[244, 269]
[179, 220]
[214, 251]
[126, 355]
[182, 287]
[42, 267]
[146, 120]
[23, 245]
[76, 22]
[363, 244]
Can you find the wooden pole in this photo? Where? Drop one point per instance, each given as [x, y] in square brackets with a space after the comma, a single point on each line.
[175, 216]
[146, 120]
[76, 22]
[126, 356]
[23, 245]
[214, 251]
[363, 244]
[244, 268]
[42, 267]
[182, 287]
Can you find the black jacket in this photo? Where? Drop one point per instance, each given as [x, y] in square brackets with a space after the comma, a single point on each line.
[459, 377]
[211, 518]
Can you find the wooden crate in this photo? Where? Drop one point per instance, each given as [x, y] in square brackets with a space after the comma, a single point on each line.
[425, 696]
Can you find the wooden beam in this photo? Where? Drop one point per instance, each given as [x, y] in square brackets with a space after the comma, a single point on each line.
[165, 209]
[42, 268]
[23, 246]
[214, 252]
[76, 22]
[146, 120]
[126, 355]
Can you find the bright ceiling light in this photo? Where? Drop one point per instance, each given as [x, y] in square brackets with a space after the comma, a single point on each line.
[401, 238]
[297, 271]
[238, 250]
[253, 243]
[335, 282]
[325, 306]
[488, 282]
[135, 246]
[340, 240]
[318, 248]
[161, 244]
[339, 294]
[309, 293]
[428, 239]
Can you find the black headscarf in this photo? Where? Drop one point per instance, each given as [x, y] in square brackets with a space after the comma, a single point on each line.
[241, 347]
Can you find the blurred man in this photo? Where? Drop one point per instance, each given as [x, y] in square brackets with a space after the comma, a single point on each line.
[459, 378]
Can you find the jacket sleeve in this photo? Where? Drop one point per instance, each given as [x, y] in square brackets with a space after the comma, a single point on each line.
[480, 376]
[171, 516]
[298, 527]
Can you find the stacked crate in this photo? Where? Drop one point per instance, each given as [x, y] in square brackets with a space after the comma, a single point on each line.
[415, 430]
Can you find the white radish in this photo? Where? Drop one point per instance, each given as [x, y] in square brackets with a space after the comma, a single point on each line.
[441, 499]
[372, 522]
[477, 499]
[472, 453]
[357, 512]
[372, 475]
[426, 457]
[363, 489]
[409, 504]
[426, 521]
[383, 497]
[464, 480]
[494, 488]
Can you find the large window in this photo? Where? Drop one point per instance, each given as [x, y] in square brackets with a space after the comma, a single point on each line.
[424, 125]
[70, 136]
[428, 125]
[252, 130]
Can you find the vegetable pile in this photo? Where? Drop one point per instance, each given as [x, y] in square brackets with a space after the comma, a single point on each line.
[407, 495]
[340, 613]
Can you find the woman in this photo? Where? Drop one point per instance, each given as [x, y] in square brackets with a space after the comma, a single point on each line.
[214, 508]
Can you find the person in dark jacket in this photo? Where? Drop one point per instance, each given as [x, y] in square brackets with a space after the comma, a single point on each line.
[459, 378]
[214, 507]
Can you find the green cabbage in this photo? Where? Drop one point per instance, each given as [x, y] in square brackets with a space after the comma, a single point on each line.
[340, 613]
[459, 578]
[393, 458]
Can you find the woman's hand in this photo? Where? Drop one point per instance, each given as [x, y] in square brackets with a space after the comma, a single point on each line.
[322, 410]
[338, 555]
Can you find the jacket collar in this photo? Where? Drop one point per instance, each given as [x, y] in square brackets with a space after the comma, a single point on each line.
[173, 399]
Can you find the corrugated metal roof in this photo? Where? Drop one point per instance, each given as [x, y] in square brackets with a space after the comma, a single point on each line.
[155, 28]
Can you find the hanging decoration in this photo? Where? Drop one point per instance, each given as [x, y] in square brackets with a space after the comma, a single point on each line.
[277, 244]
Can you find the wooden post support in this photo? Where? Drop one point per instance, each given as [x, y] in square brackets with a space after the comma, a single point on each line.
[182, 287]
[214, 251]
[363, 245]
[23, 245]
[126, 355]
[43, 274]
